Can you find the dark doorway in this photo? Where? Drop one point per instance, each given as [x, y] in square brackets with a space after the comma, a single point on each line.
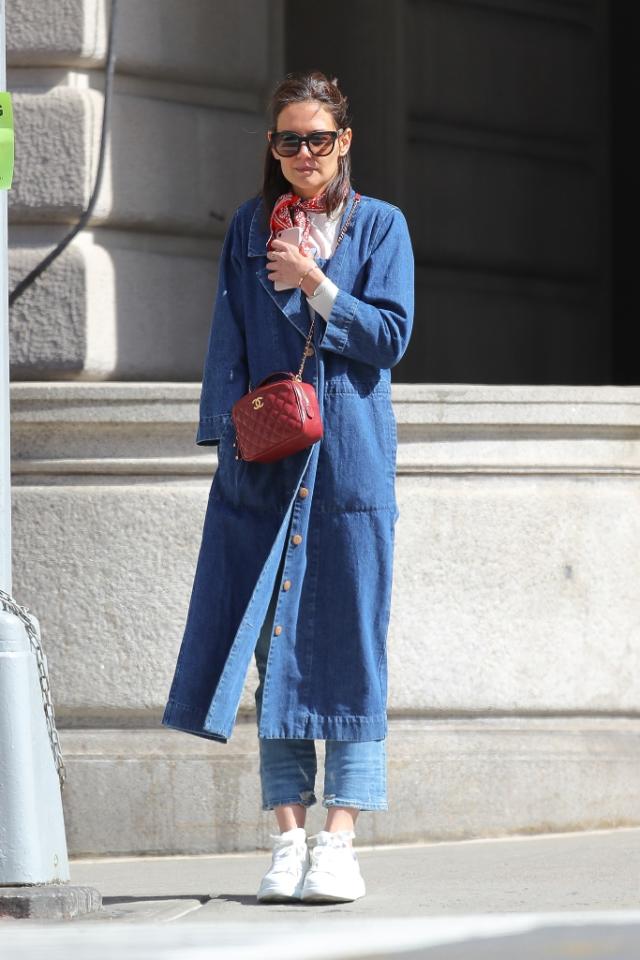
[625, 86]
[488, 123]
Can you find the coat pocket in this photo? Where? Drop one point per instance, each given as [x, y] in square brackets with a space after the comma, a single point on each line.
[356, 466]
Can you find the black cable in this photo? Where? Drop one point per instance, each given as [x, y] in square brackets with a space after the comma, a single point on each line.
[50, 257]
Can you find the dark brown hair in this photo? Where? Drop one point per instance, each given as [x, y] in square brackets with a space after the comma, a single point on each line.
[300, 88]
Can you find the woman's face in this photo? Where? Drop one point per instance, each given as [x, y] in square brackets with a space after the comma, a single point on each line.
[309, 174]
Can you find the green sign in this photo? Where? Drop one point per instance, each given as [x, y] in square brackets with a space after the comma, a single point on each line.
[6, 141]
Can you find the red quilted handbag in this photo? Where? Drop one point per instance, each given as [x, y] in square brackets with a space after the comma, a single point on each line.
[281, 415]
[278, 418]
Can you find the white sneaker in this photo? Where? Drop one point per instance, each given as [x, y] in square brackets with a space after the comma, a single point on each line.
[289, 864]
[334, 875]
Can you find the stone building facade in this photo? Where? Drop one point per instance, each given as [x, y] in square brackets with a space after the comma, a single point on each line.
[515, 629]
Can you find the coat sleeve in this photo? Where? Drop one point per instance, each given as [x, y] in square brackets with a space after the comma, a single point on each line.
[375, 328]
[225, 375]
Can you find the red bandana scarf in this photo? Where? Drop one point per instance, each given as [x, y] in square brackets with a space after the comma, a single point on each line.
[290, 210]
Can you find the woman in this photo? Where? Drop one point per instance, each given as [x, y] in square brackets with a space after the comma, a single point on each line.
[295, 563]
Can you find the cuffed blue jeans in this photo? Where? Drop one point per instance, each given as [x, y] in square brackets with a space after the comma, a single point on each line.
[355, 772]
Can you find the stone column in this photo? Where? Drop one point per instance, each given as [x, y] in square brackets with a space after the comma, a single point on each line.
[130, 298]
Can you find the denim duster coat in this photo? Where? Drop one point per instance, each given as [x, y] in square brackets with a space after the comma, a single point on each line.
[326, 513]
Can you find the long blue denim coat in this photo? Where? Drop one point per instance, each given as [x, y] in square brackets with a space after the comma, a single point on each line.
[331, 508]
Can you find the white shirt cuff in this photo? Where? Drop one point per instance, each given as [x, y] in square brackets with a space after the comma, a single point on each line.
[324, 298]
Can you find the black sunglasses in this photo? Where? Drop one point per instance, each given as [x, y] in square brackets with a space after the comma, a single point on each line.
[286, 143]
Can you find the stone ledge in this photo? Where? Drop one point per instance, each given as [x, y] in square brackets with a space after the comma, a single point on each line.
[461, 402]
[112, 427]
[450, 779]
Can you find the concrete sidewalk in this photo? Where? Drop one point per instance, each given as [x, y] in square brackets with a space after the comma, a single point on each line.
[551, 895]
[574, 871]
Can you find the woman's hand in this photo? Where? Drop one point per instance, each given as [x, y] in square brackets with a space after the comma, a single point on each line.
[287, 264]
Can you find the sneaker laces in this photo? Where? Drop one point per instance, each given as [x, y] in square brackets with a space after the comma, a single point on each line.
[287, 853]
[324, 846]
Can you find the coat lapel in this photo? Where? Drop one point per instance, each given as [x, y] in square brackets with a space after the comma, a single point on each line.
[293, 303]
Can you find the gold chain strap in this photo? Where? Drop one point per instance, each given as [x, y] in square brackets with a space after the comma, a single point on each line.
[356, 200]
